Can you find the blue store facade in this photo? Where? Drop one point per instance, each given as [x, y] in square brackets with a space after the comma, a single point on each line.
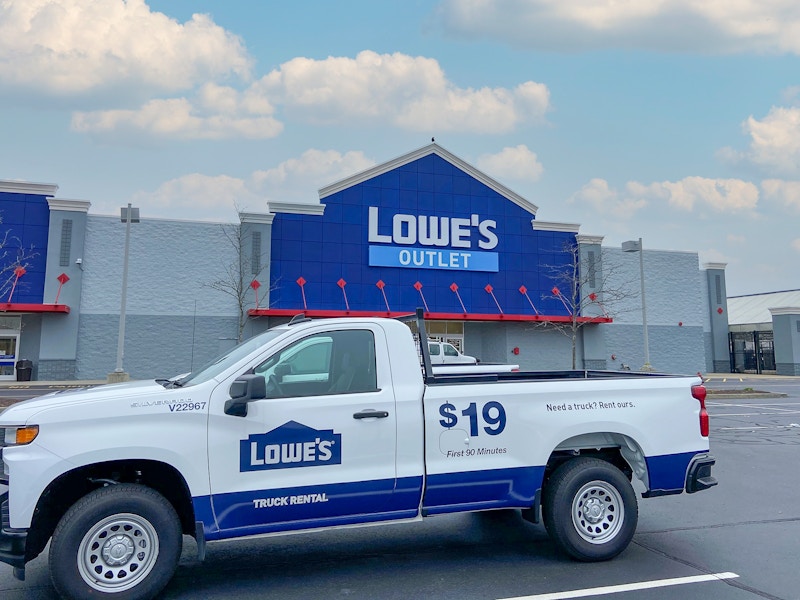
[426, 229]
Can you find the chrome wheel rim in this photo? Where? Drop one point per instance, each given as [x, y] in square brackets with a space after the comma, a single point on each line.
[598, 512]
[118, 552]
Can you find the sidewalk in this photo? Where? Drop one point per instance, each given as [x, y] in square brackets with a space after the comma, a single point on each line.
[715, 377]
[59, 385]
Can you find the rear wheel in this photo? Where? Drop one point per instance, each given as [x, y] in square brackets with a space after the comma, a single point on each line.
[122, 541]
[590, 509]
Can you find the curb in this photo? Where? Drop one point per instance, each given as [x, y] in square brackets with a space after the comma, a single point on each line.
[745, 396]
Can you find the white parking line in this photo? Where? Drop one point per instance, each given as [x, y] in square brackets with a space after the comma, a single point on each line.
[759, 414]
[627, 587]
[754, 427]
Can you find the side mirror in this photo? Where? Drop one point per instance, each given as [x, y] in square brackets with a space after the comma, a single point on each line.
[245, 389]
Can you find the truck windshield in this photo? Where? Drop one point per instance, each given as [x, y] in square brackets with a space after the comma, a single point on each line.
[231, 357]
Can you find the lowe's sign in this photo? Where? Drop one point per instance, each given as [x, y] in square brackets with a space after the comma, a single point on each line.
[289, 446]
[431, 242]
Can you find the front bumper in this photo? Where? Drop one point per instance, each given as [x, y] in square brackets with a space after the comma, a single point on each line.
[698, 475]
[12, 541]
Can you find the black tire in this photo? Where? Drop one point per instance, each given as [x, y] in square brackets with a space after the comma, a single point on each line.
[121, 541]
[590, 509]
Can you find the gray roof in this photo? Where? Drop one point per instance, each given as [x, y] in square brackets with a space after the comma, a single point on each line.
[746, 310]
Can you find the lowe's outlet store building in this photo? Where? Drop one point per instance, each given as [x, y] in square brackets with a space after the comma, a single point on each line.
[423, 230]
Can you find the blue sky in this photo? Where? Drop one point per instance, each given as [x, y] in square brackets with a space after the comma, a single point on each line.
[677, 121]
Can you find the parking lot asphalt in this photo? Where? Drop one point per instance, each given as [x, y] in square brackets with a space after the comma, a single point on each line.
[736, 541]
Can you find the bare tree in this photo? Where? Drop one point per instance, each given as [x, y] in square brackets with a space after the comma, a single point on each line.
[589, 287]
[13, 257]
[249, 264]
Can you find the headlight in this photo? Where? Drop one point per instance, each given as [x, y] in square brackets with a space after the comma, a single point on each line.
[18, 436]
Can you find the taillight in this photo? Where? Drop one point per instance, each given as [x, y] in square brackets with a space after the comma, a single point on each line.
[699, 393]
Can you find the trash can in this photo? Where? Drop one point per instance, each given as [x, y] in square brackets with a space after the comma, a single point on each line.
[24, 369]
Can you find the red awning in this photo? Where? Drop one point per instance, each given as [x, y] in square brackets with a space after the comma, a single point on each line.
[431, 316]
[18, 307]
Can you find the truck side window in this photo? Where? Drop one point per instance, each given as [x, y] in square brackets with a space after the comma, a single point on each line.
[334, 362]
[450, 350]
[353, 362]
[434, 349]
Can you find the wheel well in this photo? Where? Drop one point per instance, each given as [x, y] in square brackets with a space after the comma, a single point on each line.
[69, 487]
[610, 455]
[568, 451]
[616, 448]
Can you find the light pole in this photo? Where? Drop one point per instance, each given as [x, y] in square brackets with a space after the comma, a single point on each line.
[636, 246]
[128, 215]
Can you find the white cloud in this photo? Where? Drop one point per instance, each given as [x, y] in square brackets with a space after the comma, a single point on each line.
[721, 195]
[409, 92]
[775, 140]
[298, 179]
[712, 26]
[200, 197]
[608, 201]
[217, 197]
[517, 163]
[785, 192]
[80, 46]
[218, 112]
[712, 255]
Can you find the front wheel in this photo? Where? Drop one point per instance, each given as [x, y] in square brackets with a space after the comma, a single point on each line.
[590, 509]
[122, 541]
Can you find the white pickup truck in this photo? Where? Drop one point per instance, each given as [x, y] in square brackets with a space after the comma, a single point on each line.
[332, 423]
[445, 353]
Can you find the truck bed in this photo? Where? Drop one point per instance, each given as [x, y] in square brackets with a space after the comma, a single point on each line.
[453, 378]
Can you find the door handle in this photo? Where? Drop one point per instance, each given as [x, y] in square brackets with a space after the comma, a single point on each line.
[371, 414]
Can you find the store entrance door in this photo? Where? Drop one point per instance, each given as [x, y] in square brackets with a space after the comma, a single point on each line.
[8, 355]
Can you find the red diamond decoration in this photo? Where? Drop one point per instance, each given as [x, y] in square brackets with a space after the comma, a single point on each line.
[453, 287]
[592, 296]
[380, 285]
[418, 286]
[301, 282]
[341, 283]
[719, 310]
[254, 284]
[556, 291]
[489, 289]
[63, 278]
[20, 271]
[523, 290]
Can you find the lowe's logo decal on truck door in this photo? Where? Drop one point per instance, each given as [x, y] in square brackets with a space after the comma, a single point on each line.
[289, 446]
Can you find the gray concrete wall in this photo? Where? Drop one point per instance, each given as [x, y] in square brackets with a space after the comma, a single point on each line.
[155, 345]
[675, 311]
[672, 349]
[541, 347]
[171, 264]
[716, 298]
[786, 328]
[675, 314]
[59, 332]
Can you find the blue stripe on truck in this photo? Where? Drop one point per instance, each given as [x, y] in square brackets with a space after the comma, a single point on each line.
[667, 473]
[481, 490]
[285, 509]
